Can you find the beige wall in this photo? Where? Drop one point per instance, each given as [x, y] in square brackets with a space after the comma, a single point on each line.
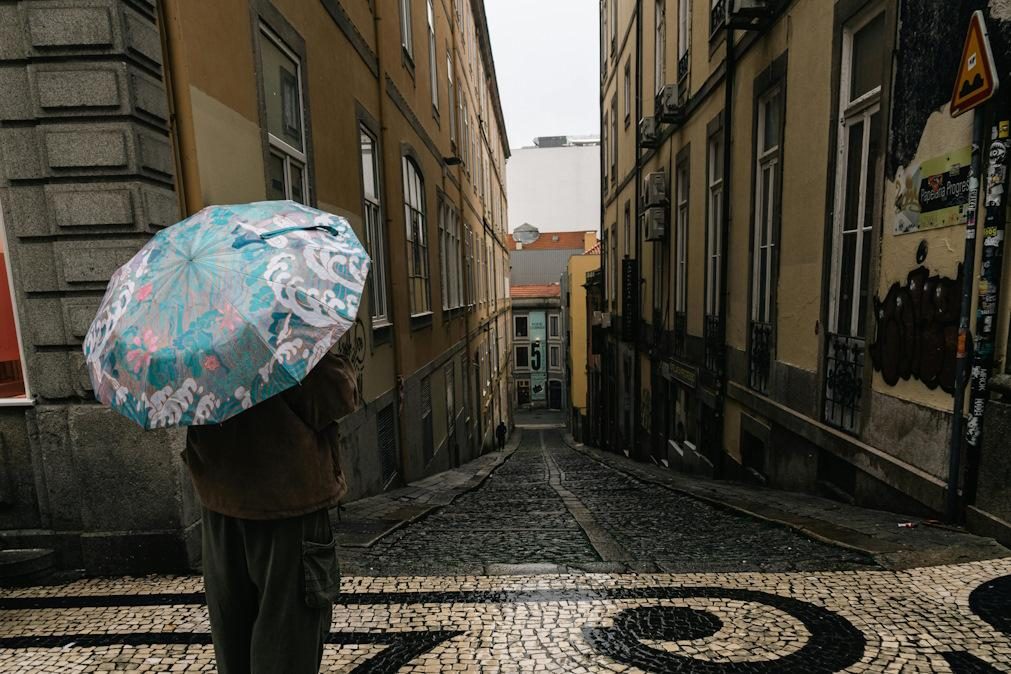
[578, 321]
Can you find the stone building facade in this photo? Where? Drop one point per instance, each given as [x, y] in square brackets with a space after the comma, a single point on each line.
[757, 162]
[122, 116]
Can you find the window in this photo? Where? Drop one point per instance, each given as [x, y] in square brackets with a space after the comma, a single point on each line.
[417, 239]
[374, 234]
[450, 374]
[660, 45]
[522, 391]
[522, 356]
[465, 132]
[858, 172]
[614, 139]
[605, 31]
[282, 92]
[521, 327]
[717, 16]
[681, 239]
[766, 190]
[714, 219]
[432, 67]
[628, 92]
[553, 326]
[554, 357]
[406, 36]
[614, 26]
[450, 252]
[605, 154]
[684, 36]
[451, 91]
[12, 373]
[469, 262]
[627, 243]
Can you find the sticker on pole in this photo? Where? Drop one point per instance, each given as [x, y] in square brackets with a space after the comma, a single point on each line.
[977, 76]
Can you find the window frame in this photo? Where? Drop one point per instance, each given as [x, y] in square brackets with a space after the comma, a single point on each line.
[714, 219]
[451, 92]
[406, 30]
[433, 58]
[554, 326]
[764, 230]
[525, 349]
[628, 92]
[290, 155]
[554, 357]
[415, 228]
[374, 223]
[858, 111]
[681, 230]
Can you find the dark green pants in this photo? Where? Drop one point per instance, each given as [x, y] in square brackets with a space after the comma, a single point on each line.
[270, 588]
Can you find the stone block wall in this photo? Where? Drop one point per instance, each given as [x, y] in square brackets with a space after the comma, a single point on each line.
[87, 176]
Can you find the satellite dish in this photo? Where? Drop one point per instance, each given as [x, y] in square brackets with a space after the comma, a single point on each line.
[526, 234]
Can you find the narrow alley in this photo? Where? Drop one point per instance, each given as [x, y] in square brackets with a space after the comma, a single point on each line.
[549, 557]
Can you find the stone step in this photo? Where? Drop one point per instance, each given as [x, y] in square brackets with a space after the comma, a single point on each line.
[25, 566]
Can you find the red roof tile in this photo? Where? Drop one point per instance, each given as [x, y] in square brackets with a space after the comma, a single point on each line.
[553, 241]
[535, 290]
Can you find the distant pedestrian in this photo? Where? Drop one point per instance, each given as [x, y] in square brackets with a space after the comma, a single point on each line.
[500, 433]
[267, 478]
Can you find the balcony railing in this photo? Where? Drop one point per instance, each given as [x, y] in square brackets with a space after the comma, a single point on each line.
[760, 356]
[713, 337]
[680, 334]
[717, 16]
[683, 66]
[844, 381]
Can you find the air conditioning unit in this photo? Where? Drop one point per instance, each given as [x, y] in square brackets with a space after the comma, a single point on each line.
[749, 14]
[654, 189]
[654, 223]
[649, 133]
[670, 104]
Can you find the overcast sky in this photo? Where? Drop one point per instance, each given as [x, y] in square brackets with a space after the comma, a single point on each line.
[547, 60]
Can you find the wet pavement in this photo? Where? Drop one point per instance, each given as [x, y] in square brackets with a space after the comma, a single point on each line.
[557, 562]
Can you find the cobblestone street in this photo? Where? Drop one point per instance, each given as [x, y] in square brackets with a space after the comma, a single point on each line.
[555, 561]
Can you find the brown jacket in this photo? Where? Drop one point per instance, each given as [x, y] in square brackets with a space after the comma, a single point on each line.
[280, 457]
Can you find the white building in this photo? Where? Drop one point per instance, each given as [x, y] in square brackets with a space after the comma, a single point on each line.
[555, 185]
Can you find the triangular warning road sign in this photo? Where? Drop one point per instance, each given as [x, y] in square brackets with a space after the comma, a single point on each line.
[977, 77]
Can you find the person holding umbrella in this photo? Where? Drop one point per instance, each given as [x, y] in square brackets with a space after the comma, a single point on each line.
[224, 323]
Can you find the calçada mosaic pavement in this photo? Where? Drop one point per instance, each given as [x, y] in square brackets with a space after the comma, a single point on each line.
[762, 599]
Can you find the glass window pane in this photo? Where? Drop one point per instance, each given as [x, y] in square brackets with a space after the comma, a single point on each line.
[847, 272]
[868, 58]
[281, 91]
[772, 123]
[871, 174]
[369, 168]
[275, 170]
[854, 165]
[297, 175]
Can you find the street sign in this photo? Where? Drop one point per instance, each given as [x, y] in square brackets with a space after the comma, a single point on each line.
[977, 77]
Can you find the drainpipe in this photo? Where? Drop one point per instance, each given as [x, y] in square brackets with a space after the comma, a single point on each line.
[636, 367]
[728, 90]
[991, 263]
[397, 357]
[961, 362]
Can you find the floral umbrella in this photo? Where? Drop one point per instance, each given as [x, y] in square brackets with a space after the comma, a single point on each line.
[224, 310]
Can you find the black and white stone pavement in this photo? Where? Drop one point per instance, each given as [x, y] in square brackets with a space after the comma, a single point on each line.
[546, 559]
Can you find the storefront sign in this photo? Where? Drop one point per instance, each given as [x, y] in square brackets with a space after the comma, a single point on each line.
[673, 370]
[935, 193]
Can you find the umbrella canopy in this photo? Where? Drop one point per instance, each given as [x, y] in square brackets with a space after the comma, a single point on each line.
[224, 310]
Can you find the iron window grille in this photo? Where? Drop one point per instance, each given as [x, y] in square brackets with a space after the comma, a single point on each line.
[713, 338]
[717, 16]
[844, 375]
[760, 356]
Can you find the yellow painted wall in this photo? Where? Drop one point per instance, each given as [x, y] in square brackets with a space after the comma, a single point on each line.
[579, 265]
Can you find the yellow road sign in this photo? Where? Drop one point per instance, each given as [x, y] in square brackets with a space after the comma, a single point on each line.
[977, 77]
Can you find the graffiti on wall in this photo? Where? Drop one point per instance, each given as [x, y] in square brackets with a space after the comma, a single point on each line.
[353, 345]
[917, 330]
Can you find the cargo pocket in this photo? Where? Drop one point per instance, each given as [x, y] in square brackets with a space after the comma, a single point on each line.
[322, 573]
